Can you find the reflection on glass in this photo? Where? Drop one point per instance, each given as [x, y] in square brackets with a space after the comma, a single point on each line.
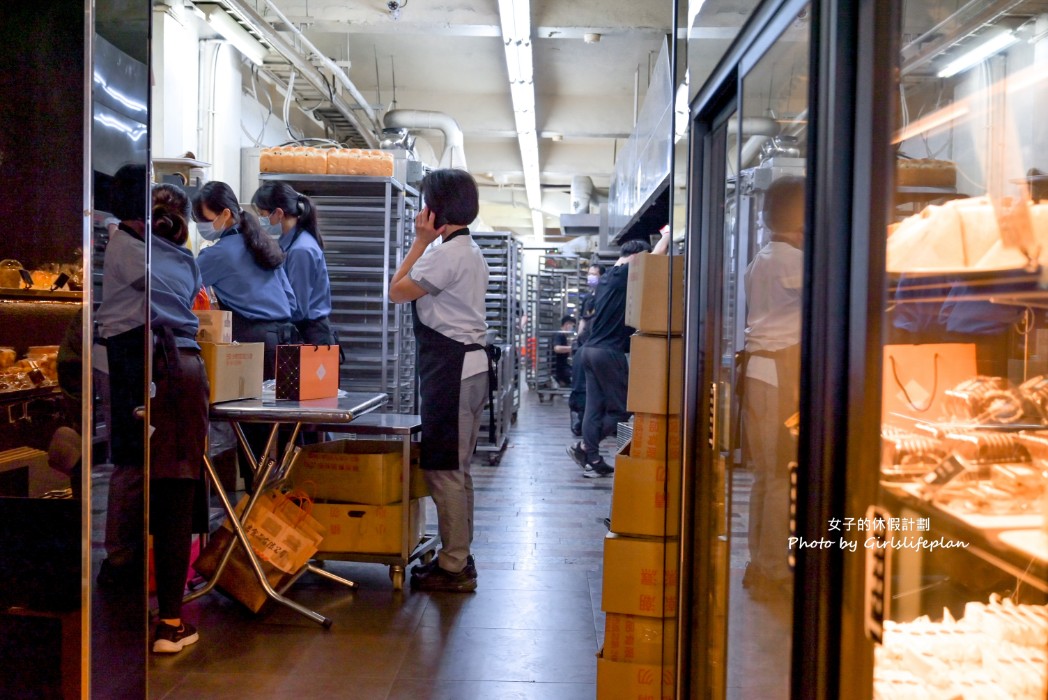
[120, 162]
[760, 328]
[961, 519]
[41, 282]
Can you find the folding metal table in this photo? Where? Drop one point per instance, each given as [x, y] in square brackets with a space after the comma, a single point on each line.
[333, 413]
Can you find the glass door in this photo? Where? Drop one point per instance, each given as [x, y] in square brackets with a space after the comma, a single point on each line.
[956, 542]
[751, 253]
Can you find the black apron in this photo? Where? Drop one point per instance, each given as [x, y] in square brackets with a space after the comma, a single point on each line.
[440, 377]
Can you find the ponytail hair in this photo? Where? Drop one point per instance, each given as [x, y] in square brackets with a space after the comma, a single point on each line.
[265, 250]
[218, 196]
[170, 213]
[274, 195]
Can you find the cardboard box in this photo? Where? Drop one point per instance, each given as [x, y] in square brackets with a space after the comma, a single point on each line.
[234, 370]
[645, 497]
[639, 640]
[653, 389]
[619, 680]
[364, 529]
[649, 306]
[655, 436]
[357, 471]
[215, 326]
[640, 576]
[307, 372]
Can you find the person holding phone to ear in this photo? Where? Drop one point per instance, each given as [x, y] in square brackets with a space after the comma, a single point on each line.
[446, 285]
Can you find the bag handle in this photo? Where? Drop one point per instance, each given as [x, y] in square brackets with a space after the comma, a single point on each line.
[906, 394]
[302, 502]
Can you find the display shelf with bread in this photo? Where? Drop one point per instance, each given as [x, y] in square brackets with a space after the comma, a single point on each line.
[309, 160]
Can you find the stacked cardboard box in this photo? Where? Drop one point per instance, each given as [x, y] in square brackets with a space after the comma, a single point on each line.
[640, 552]
[358, 487]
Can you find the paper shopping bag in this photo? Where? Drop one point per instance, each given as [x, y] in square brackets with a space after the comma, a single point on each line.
[238, 579]
[281, 532]
[307, 372]
[915, 379]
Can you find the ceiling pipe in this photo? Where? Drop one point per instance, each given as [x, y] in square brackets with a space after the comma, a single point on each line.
[368, 130]
[581, 194]
[335, 69]
[454, 155]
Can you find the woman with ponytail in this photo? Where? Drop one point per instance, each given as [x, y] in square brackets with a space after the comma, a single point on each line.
[291, 218]
[245, 270]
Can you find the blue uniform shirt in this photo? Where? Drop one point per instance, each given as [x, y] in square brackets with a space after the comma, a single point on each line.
[123, 304]
[307, 272]
[174, 280]
[241, 285]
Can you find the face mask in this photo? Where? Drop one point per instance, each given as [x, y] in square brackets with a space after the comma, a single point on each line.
[274, 230]
[207, 231]
[592, 280]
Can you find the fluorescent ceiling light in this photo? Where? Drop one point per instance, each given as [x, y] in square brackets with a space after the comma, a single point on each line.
[129, 102]
[515, 19]
[232, 32]
[979, 54]
[538, 225]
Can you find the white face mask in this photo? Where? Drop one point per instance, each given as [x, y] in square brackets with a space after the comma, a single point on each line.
[592, 280]
[207, 231]
[275, 230]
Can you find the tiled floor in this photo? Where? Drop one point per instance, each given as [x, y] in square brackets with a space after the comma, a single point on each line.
[529, 632]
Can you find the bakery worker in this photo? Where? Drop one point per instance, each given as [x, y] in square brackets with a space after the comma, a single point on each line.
[178, 411]
[446, 285]
[245, 269]
[291, 218]
[121, 318]
[771, 385]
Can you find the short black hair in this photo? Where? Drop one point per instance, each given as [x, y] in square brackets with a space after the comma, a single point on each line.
[452, 196]
[637, 245]
[567, 318]
[783, 210]
[130, 192]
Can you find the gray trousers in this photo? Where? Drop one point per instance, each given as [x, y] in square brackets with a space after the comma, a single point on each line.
[452, 489]
[770, 449]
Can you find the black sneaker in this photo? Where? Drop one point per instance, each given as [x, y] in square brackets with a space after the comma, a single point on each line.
[426, 569]
[578, 454]
[440, 580]
[171, 640]
[598, 469]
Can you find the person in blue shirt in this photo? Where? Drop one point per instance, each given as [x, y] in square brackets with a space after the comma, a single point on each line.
[245, 269]
[178, 411]
[291, 218]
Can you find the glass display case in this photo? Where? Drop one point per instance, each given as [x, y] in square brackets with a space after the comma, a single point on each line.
[956, 541]
[916, 488]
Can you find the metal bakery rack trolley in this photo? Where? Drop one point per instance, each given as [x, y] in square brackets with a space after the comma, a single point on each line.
[367, 224]
[502, 305]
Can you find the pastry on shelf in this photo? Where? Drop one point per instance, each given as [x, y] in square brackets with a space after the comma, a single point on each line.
[925, 172]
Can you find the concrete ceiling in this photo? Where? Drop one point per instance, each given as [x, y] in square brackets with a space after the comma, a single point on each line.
[447, 56]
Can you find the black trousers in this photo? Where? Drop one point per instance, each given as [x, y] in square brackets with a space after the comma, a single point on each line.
[607, 377]
[171, 521]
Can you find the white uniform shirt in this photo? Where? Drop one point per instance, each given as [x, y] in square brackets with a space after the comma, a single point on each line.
[455, 277]
[774, 281]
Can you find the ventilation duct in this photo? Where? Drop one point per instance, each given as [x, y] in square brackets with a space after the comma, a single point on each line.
[581, 194]
[454, 155]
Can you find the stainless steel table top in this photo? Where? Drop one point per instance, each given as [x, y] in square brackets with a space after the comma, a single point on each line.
[334, 411]
[382, 424]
